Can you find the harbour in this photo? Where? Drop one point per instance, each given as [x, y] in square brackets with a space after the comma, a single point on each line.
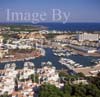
[50, 48]
[49, 56]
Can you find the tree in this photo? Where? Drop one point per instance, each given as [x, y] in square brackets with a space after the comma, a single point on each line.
[48, 90]
[67, 89]
[98, 75]
[34, 78]
[93, 90]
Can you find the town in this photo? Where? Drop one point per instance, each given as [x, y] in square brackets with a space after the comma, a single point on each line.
[32, 56]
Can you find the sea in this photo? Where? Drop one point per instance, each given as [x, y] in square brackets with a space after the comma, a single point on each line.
[83, 60]
[90, 27]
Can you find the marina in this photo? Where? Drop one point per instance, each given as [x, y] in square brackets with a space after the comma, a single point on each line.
[49, 56]
[50, 48]
[70, 64]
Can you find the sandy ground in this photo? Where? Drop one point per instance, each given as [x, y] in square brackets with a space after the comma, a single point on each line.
[89, 71]
[21, 56]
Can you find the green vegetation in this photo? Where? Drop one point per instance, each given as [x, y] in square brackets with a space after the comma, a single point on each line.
[51, 35]
[73, 90]
[9, 36]
[34, 78]
[6, 37]
[48, 90]
[5, 95]
[27, 27]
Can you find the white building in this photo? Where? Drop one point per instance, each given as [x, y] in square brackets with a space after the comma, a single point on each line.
[48, 74]
[3, 53]
[27, 70]
[7, 83]
[88, 36]
[1, 39]
[7, 80]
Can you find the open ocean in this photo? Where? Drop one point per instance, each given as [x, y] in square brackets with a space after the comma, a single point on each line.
[65, 27]
[72, 26]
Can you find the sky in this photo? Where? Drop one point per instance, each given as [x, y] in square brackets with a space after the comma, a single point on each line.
[71, 10]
